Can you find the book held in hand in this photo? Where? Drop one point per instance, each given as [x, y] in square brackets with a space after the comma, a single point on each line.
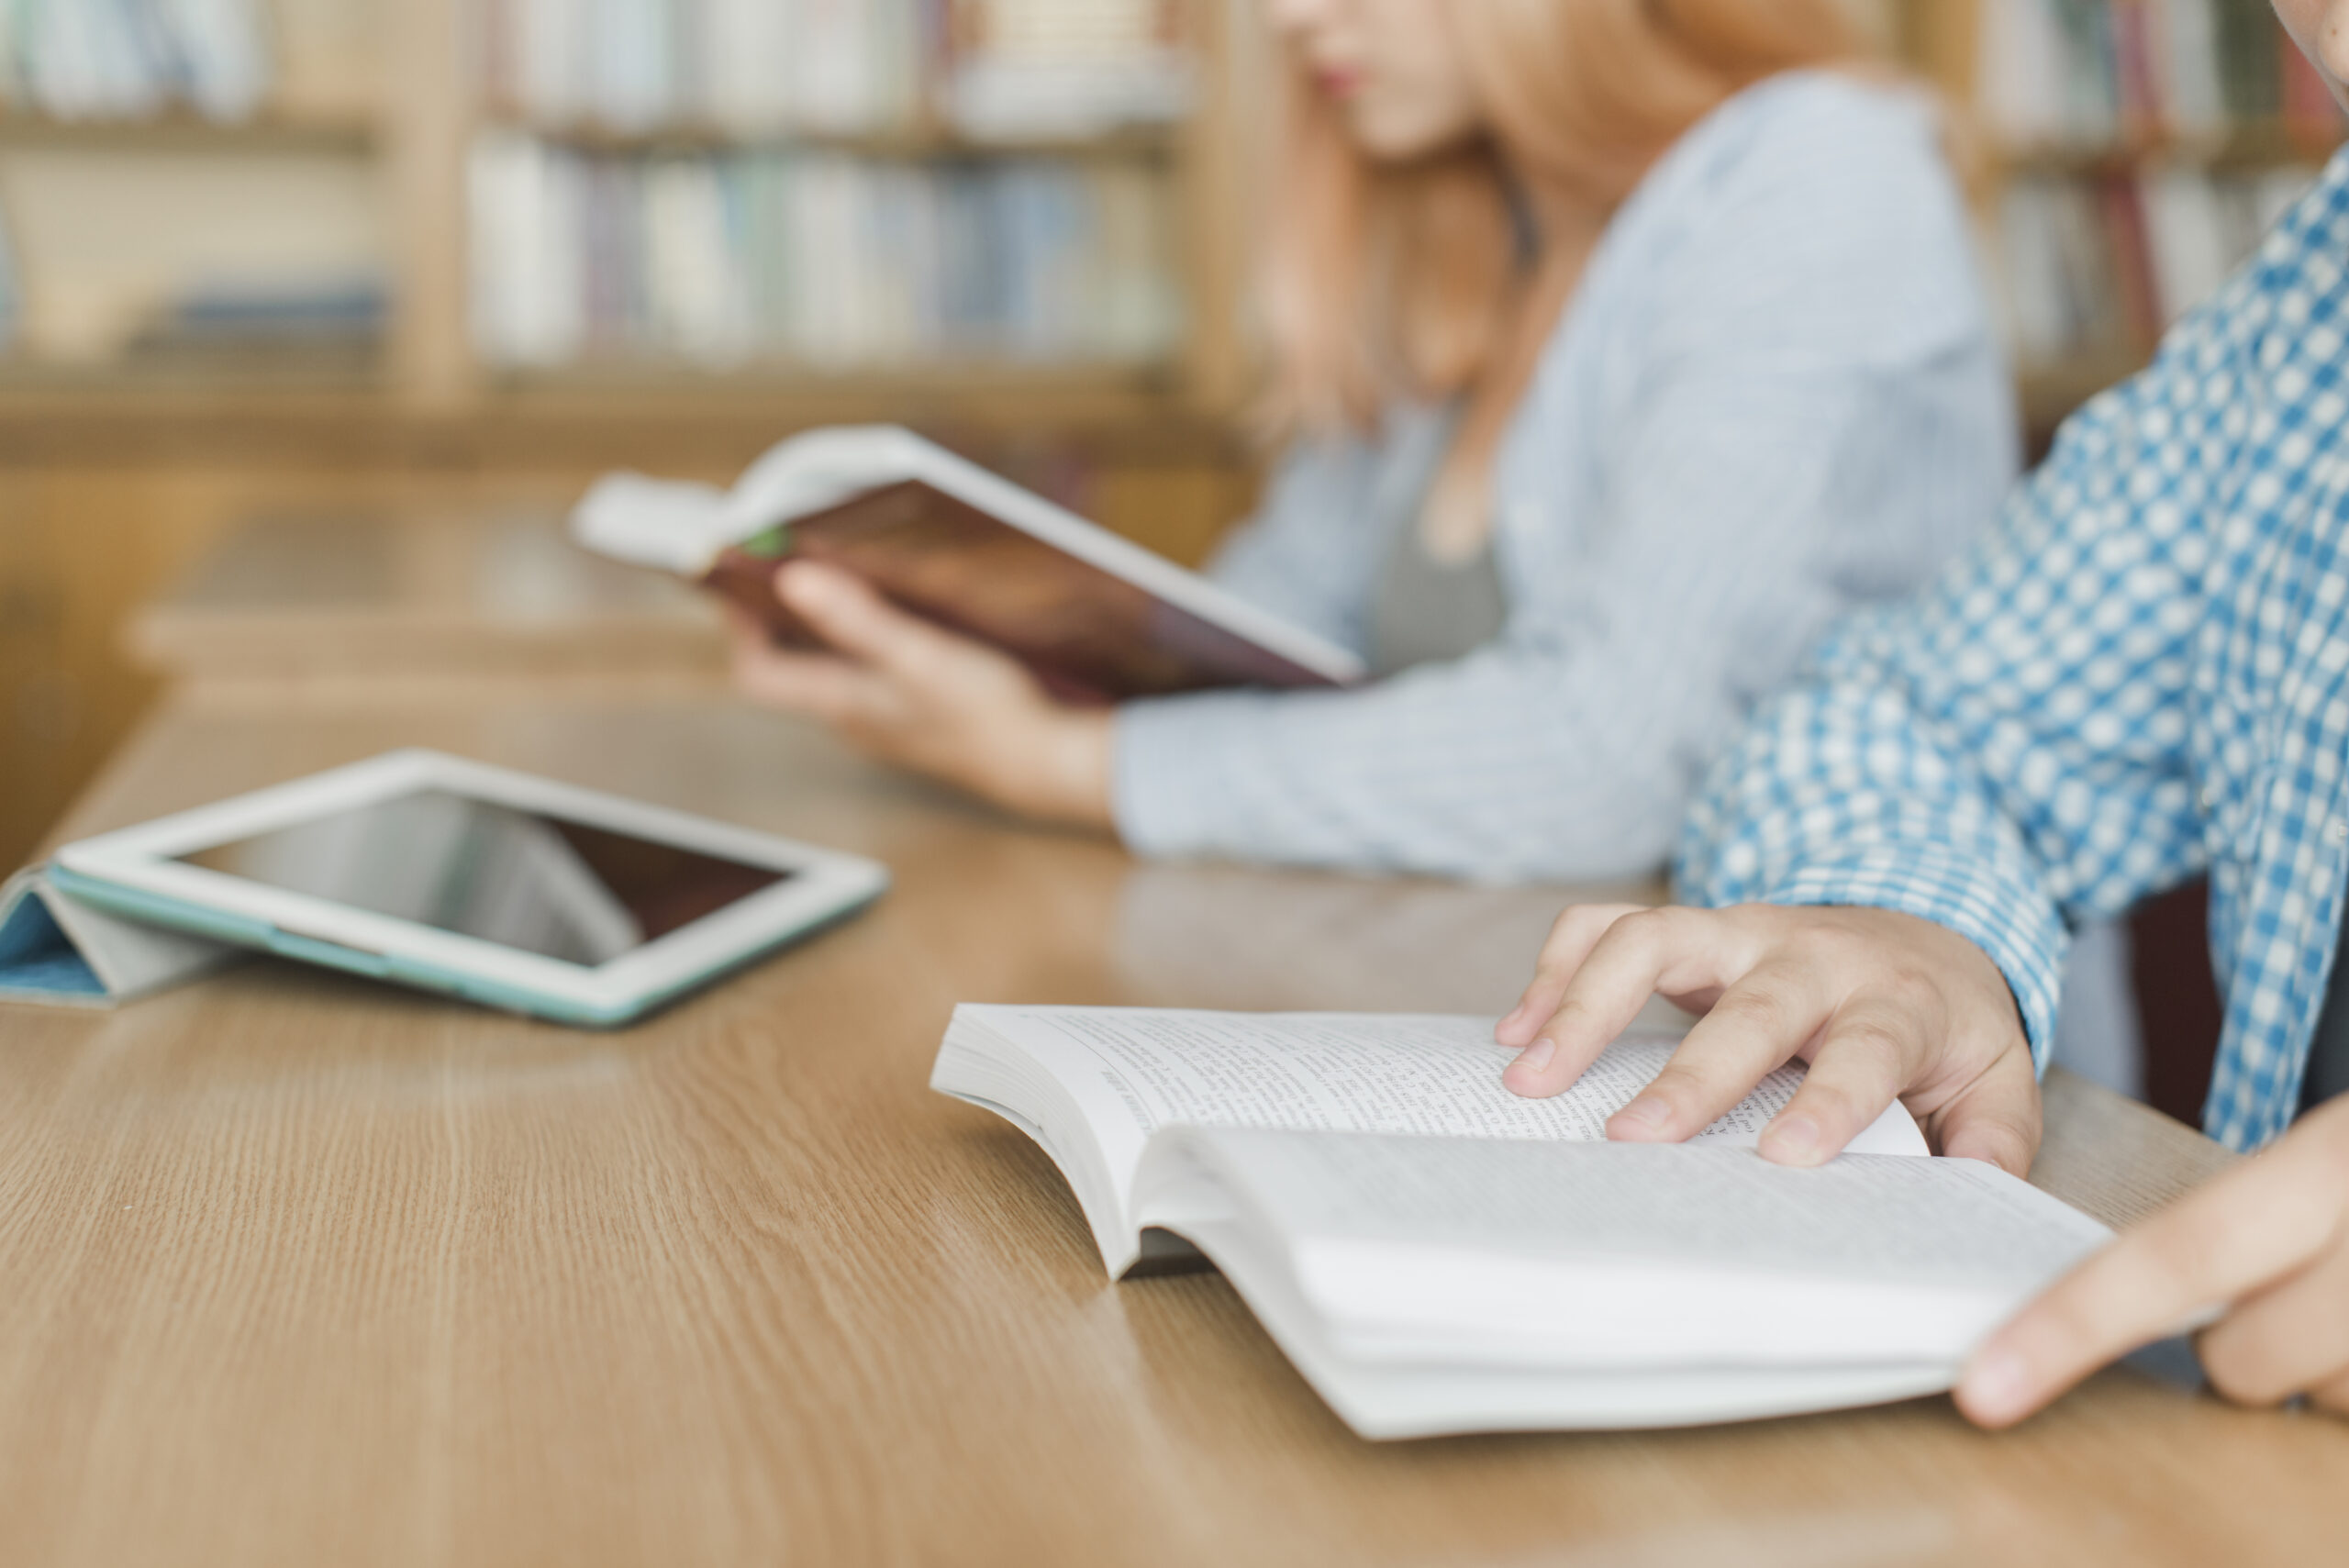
[1096, 617]
[1436, 1255]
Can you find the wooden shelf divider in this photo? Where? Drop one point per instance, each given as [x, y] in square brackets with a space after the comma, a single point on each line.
[182, 132]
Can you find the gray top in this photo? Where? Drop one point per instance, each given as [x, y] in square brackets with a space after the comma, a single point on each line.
[1423, 610]
[1776, 395]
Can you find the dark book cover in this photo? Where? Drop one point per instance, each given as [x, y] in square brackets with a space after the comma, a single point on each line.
[1089, 635]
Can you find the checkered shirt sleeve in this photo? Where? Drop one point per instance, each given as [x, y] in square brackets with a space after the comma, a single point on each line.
[2020, 750]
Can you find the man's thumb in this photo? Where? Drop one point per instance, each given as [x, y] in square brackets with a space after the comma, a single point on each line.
[1996, 1117]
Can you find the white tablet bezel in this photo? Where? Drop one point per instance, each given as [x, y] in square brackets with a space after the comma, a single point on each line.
[822, 884]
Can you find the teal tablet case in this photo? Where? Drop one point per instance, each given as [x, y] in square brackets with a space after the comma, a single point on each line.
[219, 932]
[62, 950]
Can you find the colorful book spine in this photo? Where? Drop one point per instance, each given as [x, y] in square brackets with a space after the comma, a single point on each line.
[135, 58]
[990, 69]
[12, 302]
[816, 260]
[2097, 268]
[2095, 74]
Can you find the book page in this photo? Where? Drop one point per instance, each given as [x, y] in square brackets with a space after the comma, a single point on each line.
[1133, 1071]
[1955, 1222]
[1483, 1251]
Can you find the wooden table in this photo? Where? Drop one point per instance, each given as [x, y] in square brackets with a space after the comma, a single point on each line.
[305, 1270]
[459, 593]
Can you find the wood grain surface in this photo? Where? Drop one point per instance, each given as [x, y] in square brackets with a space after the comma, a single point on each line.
[307, 1270]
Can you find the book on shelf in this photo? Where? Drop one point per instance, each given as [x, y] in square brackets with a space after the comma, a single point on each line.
[1436, 1255]
[815, 259]
[1037, 69]
[1096, 617]
[12, 293]
[144, 252]
[1015, 69]
[2099, 266]
[2106, 74]
[133, 58]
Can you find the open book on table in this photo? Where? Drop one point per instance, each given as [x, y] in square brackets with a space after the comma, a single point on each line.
[1437, 1255]
[1095, 617]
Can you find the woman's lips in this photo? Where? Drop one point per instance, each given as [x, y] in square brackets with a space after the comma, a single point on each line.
[1338, 81]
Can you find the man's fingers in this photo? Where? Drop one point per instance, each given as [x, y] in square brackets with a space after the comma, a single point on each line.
[2259, 1221]
[2291, 1338]
[1997, 1119]
[2332, 1396]
[1622, 970]
[1864, 1059]
[1571, 938]
[1756, 1026]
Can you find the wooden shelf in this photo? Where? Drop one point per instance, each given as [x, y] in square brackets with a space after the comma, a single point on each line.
[931, 143]
[2048, 394]
[182, 132]
[226, 370]
[2245, 149]
[926, 378]
[566, 423]
[993, 396]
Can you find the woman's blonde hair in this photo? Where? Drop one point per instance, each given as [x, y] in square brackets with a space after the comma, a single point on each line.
[1383, 280]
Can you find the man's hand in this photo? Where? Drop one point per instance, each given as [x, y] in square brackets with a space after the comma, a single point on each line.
[2268, 1241]
[909, 692]
[1883, 1005]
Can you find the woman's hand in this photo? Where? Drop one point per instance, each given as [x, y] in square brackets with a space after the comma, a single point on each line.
[1883, 1005]
[2268, 1241]
[909, 692]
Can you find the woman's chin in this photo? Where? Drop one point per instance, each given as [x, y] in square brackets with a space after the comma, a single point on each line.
[1396, 137]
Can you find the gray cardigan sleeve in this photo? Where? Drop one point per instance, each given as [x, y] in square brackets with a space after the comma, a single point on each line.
[1776, 397]
[1306, 555]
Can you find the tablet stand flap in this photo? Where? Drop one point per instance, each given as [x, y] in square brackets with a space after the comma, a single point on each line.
[55, 949]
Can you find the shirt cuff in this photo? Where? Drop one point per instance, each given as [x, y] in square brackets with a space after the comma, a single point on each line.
[2008, 915]
[1171, 790]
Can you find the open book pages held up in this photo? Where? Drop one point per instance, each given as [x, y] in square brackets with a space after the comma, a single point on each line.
[1095, 615]
[1091, 1084]
[1436, 1255]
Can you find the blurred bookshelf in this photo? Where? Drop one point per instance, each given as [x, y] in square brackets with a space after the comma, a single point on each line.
[997, 213]
[987, 213]
[2130, 155]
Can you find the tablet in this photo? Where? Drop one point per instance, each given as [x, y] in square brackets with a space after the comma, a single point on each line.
[509, 890]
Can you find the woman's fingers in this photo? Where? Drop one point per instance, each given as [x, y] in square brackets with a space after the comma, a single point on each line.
[1571, 938]
[2263, 1220]
[2290, 1338]
[845, 611]
[1633, 958]
[815, 685]
[1865, 1057]
[1756, 1026]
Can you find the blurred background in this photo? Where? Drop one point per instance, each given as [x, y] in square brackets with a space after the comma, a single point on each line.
[287, 282]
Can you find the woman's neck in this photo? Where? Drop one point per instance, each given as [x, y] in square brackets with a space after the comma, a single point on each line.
[1455, 521]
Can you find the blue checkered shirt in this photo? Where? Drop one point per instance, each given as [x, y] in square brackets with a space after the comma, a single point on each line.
[2143, 674]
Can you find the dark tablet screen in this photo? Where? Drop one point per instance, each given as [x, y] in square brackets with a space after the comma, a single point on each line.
[559, 889]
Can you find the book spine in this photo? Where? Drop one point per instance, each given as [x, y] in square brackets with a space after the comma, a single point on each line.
[816, 258]
[11, 290]
[2120, 219]
[126, 59]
